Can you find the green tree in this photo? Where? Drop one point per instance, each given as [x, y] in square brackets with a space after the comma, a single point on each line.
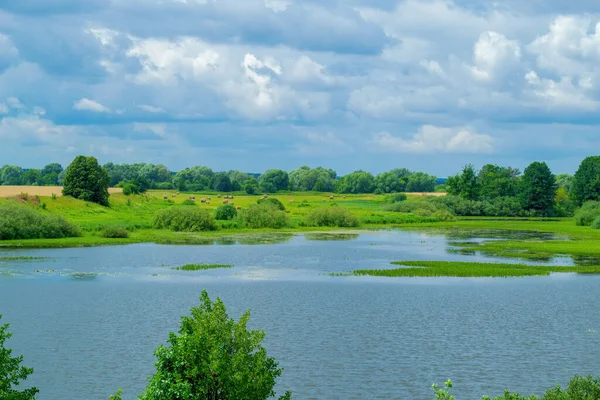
[495, 181]
[221, 182]
[225, 212]
[356, 182]
[32, 177]
[11, 175]
[251, 186]
[274, 180]
[564, 181]
[537, 188]
[586, 182]
[465, 184]
[392, 181]
[52, 168]
[421, 182]
[11, 371]
[86, 180]
[213, 357]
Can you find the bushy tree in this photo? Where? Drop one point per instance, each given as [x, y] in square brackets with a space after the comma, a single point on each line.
[564, 181]
[465, 184]
[221, 182]
[356, 182]
[12, 372]
[586, 182]
[213, 357]
[537, 188]
[495, 181]
[265, 215]
[273, 201]
[421, 182]
[225, 212]
[273, 180]
[11, 175]
[312, 179]
[185, 219]
[86, 180]
[32, 177]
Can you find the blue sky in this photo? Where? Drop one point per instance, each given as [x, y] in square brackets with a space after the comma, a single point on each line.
[351, 84]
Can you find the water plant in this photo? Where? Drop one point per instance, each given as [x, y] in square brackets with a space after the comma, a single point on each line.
[200, 267]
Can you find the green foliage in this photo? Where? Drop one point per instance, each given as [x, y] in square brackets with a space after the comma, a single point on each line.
[251, 187]
[596, 223]
[11, 175]
[213, 357]
[537, 188]
[587, 213]
[421, 182]
[580, 388]
[200, 267]
[564, 181]
[443, 393]
[586, 182]
[21, 222]
[356, 182]
[117, 396]
[398, 197]
[312, 179]
[114, 232]
[264, 215]
[225, 212]
[12, 373]
[495, 181]
[472, 269]
[497, 207]
[221, 182]
[274, 180]
[392, 181]
[185, 219]
[273, 201]
[86, 180]
[464, 185]
[332, 216]
[188, 202]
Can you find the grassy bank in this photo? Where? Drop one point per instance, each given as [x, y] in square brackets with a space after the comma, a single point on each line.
[471, 269]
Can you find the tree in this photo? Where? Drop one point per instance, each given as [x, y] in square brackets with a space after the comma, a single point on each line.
[225, 212]
[274, 180]
[356, 182]
[213, 357]
[11, 372]
[221, 182]
[564, 181]
[537, 188]
[86, 180]
[421, 182]
[586, 182]
[32, 177]
[495, 181]
[11, 175]
[464, 184]
[52, 168]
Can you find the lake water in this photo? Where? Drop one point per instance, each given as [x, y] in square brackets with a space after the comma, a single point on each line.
[88, 320]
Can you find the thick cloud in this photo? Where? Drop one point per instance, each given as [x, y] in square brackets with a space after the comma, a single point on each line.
[341, 83]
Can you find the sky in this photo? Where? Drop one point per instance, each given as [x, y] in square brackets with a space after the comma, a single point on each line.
[429, 85]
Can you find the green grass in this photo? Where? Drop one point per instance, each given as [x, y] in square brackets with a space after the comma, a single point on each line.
[471, 269]
[200, 267]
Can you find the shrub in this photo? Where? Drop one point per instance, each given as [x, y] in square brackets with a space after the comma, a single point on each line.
[398, 197]
[264, 215]
[115, 232]
[20, 222]
[587, 213]
[184, 219]
[443, 215]
[188, 202]
[331, 216]
[410, 206]
[12, 373]
[165, 186]
[225, 212]
[423, 212]
[273, 201]
[596, 223]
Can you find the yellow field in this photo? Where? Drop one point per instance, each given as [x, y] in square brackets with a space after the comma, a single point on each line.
[10, 191]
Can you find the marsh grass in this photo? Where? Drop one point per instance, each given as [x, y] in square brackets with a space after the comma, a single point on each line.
[22, 258]
[472, 269]
[201, 267]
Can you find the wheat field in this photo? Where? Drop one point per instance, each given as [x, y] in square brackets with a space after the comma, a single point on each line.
[10, 191]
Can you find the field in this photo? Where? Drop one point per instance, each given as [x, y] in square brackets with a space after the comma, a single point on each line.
[47, 191]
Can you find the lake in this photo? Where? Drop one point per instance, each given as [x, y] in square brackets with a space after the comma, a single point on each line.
[89, 319]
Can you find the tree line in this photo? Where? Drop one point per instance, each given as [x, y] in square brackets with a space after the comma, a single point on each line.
[139, 177]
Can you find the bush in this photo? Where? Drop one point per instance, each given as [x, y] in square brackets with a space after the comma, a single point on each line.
[225, 212]
[165, 186]
[114, 232]
[185, 219]
[332, 216]
[398, 197]
[264, 215]
[12, 373]
[443, 215]
[273, 201]
[587, 213]
[596, 223]
[188, 202]
[410, 206]
[21, 222]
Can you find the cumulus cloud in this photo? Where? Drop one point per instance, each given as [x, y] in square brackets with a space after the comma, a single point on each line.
[277, 5]
[494, 56]
[434, 139]
[86, 104]
[323, 144]
[150, 109]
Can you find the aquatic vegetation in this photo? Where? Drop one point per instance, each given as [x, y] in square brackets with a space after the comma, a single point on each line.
[331, 236]
[83, 275]
[200, 267]
[473, 269]
[22, 258]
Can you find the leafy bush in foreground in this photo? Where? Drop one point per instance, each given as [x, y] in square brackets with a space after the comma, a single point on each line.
[11, 372]
[115, 232]
[587, 213]
[184, 219]
[273, 201]
[263, 215]
[331, 216]
[225, 212]
[398, 197]
[213, 357]
[21, 222]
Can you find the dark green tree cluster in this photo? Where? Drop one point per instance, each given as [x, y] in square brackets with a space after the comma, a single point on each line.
[535, 190]
[86, 180]
[50, 175]
[306, 179]
[139, 177]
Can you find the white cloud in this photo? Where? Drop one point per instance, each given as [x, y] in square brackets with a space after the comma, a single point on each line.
[32, 127]
[324, 144]
[86, 104]
[14, 103]
[3, 108]
[8, 52]
[374, 102]
[494, 55]
[277, 5]
[159, 130]
[151, 109]
[433, 139]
